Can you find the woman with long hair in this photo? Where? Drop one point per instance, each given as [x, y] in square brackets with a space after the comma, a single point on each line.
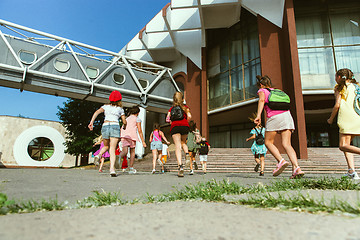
[278, 122]
[178, 116]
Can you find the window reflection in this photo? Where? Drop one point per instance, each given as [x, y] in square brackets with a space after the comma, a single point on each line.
[233, 61]
[328, 39]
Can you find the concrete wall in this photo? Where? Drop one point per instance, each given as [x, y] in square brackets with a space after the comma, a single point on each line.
[18, 132]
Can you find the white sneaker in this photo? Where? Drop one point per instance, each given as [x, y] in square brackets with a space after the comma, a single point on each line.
[153, 171]
[96, 160]
[132, 171]
[353, 175]
[159, 162]
[191, 172]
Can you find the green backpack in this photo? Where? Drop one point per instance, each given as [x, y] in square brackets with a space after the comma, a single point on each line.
[278, 100]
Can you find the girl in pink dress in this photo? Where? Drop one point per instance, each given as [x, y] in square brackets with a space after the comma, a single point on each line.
[129, 136]
[105, 155]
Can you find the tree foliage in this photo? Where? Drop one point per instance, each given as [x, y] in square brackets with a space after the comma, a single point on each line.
[75, 116]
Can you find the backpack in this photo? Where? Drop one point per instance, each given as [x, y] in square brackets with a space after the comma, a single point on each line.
[176, 113]
[259, 138]
[357, 99]
[278, 100]
[204, 149]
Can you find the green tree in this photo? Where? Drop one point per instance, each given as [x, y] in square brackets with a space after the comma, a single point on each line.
[75, 116]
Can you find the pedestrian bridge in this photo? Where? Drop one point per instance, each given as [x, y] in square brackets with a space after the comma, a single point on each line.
[40, 62]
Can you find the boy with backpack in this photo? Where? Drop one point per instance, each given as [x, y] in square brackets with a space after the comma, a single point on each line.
[204, 148]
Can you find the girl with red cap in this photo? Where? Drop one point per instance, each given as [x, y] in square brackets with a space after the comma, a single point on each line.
[111, 127]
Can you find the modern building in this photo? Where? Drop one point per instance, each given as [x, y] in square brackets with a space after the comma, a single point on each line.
[217, 47]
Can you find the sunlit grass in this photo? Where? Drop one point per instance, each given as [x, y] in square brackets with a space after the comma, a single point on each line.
[257, 195]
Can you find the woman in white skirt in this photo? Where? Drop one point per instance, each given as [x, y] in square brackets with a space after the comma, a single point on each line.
[278, 122]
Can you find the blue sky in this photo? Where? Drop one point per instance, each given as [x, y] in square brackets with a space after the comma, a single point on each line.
[108, 24]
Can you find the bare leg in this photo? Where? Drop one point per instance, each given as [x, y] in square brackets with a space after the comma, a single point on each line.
[286, 142]
[177, 141]
[105, 147]
[269, 143]
[154, 153]
[132, 157]
[191, 160]
[344, 143]
[262, 163]
[113, 145]
[257, 160]
[102, 160]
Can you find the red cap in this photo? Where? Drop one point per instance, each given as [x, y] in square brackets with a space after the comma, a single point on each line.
[115, 96]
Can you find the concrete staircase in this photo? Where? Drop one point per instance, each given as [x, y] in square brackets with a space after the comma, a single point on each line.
[241, 160]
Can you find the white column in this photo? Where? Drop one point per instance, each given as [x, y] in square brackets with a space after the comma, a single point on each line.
[139, 149]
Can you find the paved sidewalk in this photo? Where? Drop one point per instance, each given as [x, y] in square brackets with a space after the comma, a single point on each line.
[170, 220]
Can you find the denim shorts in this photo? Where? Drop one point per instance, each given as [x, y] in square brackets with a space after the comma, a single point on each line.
[110, 131]
[156, 145]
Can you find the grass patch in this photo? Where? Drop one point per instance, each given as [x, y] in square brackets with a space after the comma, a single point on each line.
[213, 191]
[301, 203]
[10, 206]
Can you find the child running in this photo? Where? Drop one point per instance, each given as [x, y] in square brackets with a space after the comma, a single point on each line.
[278, 122]
[192, 143]
[259, 150]
[110, 130]
[156, 145]
[178, 116]
[164, 156]
[129, 136]
[203, 152]
[347, 100]
[99, 140]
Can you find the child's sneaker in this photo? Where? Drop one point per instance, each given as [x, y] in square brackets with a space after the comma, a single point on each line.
[132, 171]
[280, 167]
[191, 172]
[96, 160]
[352, 175]
[181, 171]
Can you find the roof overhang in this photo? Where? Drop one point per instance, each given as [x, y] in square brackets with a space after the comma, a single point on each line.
[179, 28]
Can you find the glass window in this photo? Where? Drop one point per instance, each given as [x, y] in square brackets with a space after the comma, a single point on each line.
[349, 57]
[61, 65]
[328, 35]
[119, 78]
[317, 68]
[92, 72]
[251, 69]
[219, 88]
[27, 57]
[345, 27]
[144, 83]
[41, 149]
[233, 61]
[237, 93]
[313, 31]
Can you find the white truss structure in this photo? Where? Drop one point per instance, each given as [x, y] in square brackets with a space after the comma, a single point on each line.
[78, 49]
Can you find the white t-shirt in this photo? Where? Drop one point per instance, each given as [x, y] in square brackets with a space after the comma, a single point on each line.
[164, 149]
[112, 113]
